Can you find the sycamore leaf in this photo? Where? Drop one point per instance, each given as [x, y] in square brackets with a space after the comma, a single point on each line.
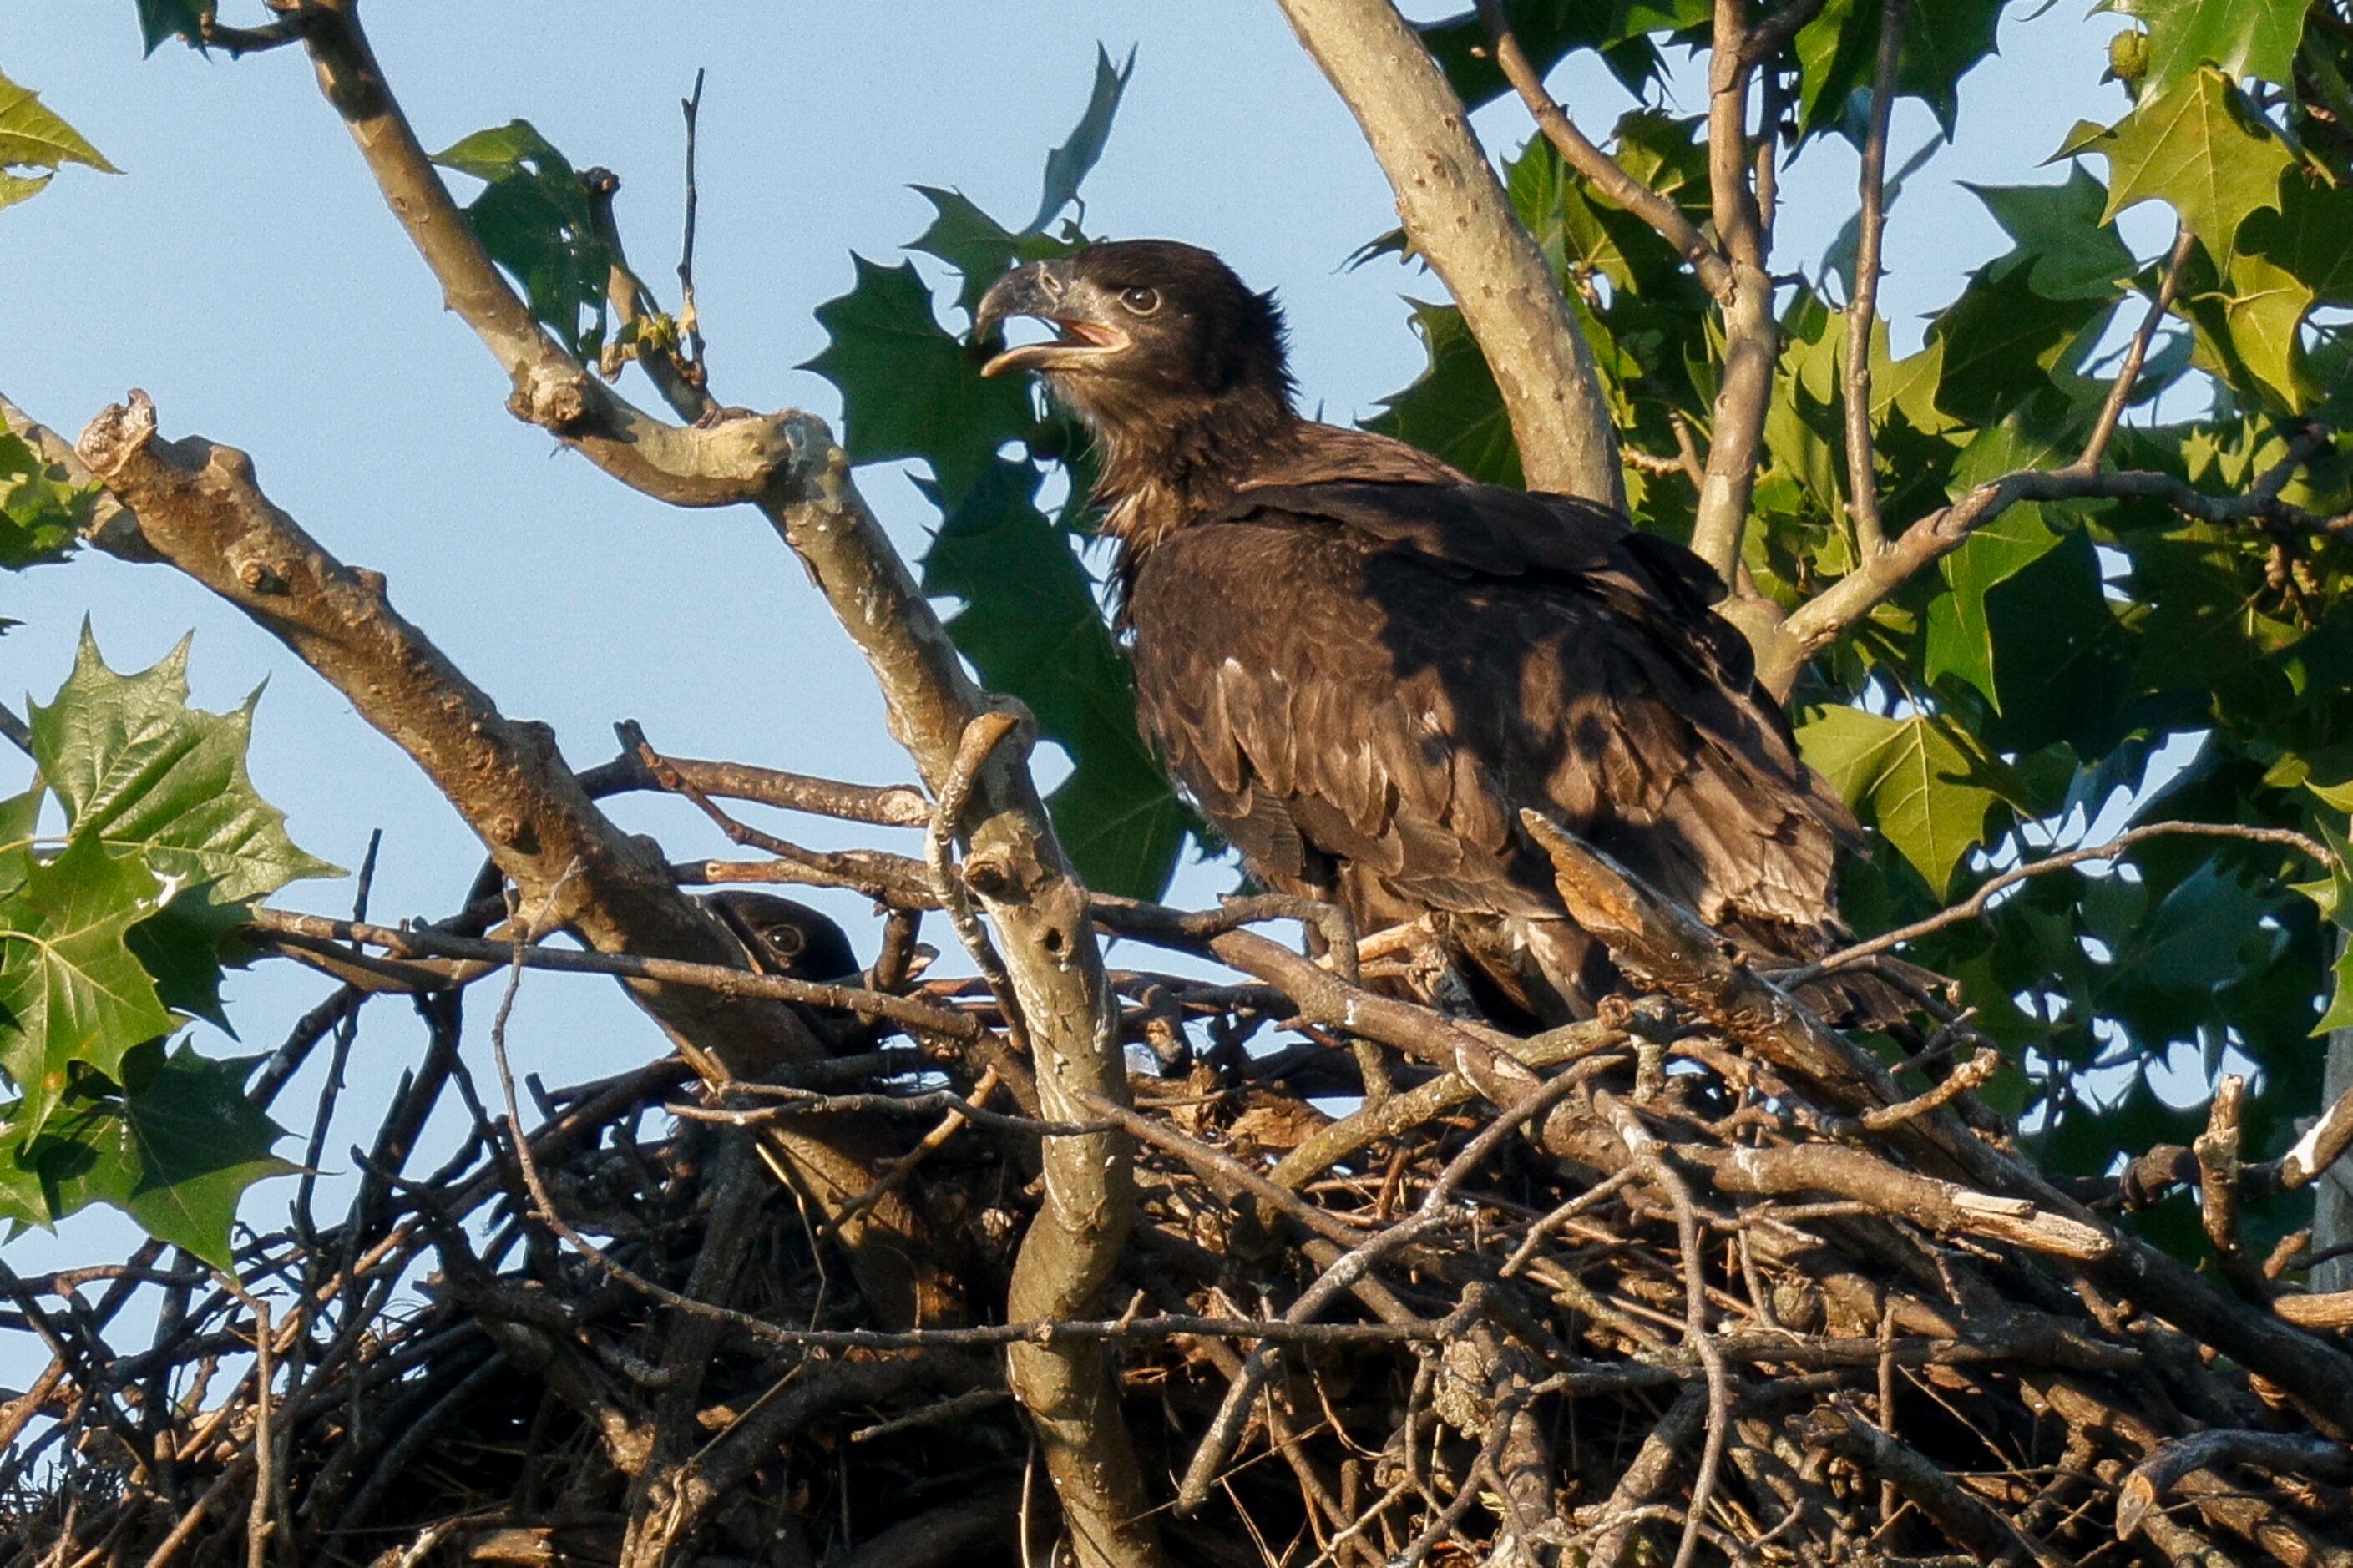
[1913, 780]
[2076, 255]
[71, 988]
[32, 136]
[2243, 37]
[1031, 626]
[2263, 312]
[19, 816]
[143, 771]
[2198, 147]
[1453, 410]
[2339, 1013]
[1960, 640]
[162, 20]
[1548, 30]
[15, 188]
[1837, 50]
[2309, 236]
[910, 390]
[41, 513]
[180, 948]
[980, 248]
[1067, 166]
[175, 1154]
[2003, 338]
[532, 218]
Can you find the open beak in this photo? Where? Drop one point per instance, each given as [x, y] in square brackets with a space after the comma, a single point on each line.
[1045, 289]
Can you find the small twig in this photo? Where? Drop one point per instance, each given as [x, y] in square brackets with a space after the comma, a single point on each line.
[885, 806]
[2219, 1178]
[1976, 903]
[1975, 1073]
[1433, 1213]
[690, 319]
[278, 927]
[2112, 411]
[899, 1169]
[14, 730]
[238, 42]
[1862, 310]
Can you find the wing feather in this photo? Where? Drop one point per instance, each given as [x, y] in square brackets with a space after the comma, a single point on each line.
[1373, 677]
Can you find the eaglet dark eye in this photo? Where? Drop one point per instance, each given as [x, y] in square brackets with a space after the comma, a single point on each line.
[1140, 301]
[785, 939]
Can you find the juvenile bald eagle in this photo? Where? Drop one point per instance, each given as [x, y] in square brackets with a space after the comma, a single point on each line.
[1361, 665]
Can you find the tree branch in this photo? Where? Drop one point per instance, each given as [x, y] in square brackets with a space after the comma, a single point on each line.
[1862, 481]
[2112, 411]
[1459, 218]
[1653, 937]
[1824, 618]
[1752, 337]
[1661, 213]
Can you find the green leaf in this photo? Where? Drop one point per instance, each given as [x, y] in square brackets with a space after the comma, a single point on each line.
[15, 188]
[41, 513]
[2339, 1015]
[980, 248]
[2200, 147]
[1838, 49]
[910, 390]
[175, 1154]
[1453, 410]
[70, 989]
[1920, 787]
[1943, 43]
[1548, 30]
[2263, 313]
[2243, 37]
[1961, 639]
[2002, 340]
[2076, 254]
[161, 20]
[1067, 166]
[1032, 627]
[32, 136]
[532, 218]
[140, 770]
[180, 948]
[2309, 236]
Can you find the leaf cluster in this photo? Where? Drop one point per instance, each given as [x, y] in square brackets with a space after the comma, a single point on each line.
[112, 936]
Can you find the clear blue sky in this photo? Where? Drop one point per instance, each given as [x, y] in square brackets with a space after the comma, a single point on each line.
[244, 272]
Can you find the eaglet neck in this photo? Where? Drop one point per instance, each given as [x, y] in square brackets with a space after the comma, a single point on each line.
[1159, 474]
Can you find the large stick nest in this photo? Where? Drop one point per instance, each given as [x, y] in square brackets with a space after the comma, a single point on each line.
[1659, 1287]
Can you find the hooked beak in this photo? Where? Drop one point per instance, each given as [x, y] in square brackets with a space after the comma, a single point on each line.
[1047, 290]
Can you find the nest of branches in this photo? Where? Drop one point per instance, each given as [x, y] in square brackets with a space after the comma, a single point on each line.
[1698, 1280]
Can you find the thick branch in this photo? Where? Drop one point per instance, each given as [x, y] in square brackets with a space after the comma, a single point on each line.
[1459, 218]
